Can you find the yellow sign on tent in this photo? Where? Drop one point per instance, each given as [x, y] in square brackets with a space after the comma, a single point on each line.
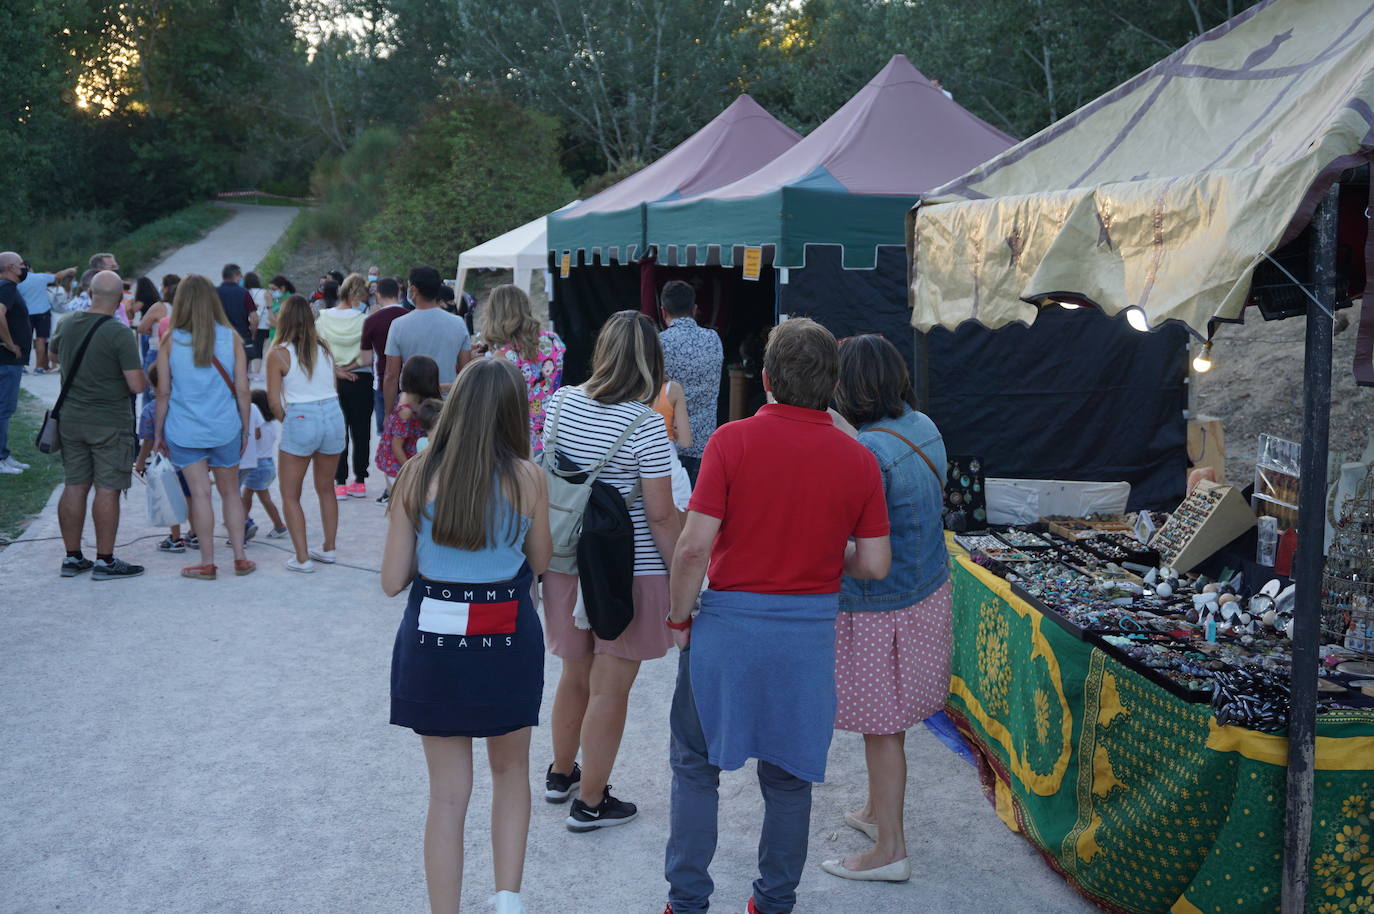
[753, 262]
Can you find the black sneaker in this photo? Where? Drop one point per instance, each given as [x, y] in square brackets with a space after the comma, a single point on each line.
[170, 545]
[384, 498]
[558, 787]
[114, 569]
[605, 814]
[71, 567]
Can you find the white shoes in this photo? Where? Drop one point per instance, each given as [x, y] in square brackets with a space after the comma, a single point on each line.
[868, 828]
[323, 555]
[507, 903]
[306, 567]
[897, 871]
[7, 470]
[15, 464]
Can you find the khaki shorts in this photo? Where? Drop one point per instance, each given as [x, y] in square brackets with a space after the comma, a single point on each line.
[97, 454]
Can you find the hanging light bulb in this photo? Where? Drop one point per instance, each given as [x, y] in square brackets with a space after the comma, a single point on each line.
[1069, 306]
[1136, 318]
[1203, 363]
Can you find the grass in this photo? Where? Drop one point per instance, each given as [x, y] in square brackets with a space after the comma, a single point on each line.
[23, 496]
[261, 200]
[275, 260]
[144, 246]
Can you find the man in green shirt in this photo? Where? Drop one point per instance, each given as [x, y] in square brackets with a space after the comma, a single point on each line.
[97, 427]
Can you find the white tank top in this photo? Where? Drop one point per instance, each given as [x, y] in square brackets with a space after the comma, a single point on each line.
[298, 387]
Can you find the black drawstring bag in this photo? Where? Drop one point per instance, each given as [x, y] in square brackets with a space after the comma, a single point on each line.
[606, 556]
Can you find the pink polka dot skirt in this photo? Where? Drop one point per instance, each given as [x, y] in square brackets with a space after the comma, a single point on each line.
[892, 668]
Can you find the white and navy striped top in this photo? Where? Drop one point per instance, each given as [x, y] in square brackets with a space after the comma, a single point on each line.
[586, 431]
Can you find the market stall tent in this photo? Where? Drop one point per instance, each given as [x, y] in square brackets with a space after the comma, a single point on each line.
[601, 239]
[828, 216]
[522, 250]
[1165, 196]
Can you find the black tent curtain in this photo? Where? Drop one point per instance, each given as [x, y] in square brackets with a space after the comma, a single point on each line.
[1077, 395]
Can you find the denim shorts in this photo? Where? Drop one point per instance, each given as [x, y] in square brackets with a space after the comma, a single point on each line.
[219, 457]
[316, 427]
[260, 476]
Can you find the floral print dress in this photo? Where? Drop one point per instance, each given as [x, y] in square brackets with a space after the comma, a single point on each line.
[543, 374]
[404, 424]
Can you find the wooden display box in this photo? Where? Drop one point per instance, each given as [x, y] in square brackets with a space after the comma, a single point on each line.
[1222, 515]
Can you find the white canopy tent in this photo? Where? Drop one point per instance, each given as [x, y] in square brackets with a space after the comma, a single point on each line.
[523, 250]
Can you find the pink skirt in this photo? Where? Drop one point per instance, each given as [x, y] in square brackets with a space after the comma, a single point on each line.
[647, 638]
[892, 668]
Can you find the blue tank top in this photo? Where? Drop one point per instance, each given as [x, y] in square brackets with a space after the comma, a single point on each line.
[202, 411]
[500, 560]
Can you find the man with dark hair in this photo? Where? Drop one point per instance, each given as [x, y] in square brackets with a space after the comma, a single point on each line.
[375, 330]
[238, 305]
[103, 261]
[428, 330]
[692, 356]
[780, 497]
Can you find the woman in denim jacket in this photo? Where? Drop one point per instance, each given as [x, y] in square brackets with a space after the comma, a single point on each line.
[892, 637]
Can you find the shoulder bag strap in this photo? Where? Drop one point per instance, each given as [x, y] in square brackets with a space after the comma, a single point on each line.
[76, 364]
[939, 477]
[233, 392]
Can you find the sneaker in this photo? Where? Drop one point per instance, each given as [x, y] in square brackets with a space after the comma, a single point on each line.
[558, 787]
[7, 470]
[306, 567]
[328, 557]
[276, 533]
[10, 461]
[752, 908]
[41, 370]
[114, 570]
[170, 545]
[71, 566]
[384, 497]
[192, 541]
[356, 489]
[341, 491]
[609, 812]
[250, 530]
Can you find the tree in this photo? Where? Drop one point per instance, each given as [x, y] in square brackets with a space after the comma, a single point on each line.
[477, 166]
[349, 188]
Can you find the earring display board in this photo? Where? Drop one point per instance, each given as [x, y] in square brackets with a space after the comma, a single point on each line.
[1210, 517]
[966, 502]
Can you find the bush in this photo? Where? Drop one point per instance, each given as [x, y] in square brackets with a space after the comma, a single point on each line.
[275, 260]
[348, 189]
[477, 166]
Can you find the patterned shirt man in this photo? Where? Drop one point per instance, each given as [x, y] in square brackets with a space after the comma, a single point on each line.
[692, 356]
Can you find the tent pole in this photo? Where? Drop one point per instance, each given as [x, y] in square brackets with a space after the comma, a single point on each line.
[1307, 568]
[921, 383]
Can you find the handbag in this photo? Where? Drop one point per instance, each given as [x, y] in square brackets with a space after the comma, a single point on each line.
[166, 500]
[49, 439]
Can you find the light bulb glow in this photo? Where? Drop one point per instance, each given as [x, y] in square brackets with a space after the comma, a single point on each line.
[1069, 306]
[1136, 318]
[1203, 362]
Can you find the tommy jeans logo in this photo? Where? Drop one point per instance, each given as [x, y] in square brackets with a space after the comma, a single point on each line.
[466, 612]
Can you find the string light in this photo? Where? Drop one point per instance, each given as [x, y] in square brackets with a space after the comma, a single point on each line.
[1203, 362]
[1136, 318]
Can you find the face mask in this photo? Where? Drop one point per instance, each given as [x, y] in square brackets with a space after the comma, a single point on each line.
[276, 294]
[371, 277]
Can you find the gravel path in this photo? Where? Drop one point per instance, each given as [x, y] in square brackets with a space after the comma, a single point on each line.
[244, 239]
[178, 745]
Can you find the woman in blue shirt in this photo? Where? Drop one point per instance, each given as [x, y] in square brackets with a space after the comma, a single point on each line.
[892, 637]
[468, 533]
[202, 415]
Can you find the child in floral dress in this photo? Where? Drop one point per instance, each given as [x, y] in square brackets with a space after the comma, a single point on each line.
[419, 382]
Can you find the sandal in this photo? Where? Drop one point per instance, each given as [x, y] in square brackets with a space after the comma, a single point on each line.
[199, 572]
[244, 566]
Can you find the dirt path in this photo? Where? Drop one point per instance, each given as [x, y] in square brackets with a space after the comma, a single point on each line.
[244, 239]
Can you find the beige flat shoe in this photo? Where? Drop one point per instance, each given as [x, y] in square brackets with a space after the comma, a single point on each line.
[898, 871]
[868, 828]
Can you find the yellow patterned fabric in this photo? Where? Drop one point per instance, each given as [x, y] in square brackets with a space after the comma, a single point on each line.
[1135, 795]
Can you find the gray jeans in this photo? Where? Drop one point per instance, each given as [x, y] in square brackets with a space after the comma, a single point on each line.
[693, 826]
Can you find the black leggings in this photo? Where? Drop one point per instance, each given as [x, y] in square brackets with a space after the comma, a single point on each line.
[355, 398]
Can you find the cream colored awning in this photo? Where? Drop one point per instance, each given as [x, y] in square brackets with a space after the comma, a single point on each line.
[1166, 192]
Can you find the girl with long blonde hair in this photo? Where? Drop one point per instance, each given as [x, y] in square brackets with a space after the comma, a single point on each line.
[300, 389]
[511, 332]
[201, 418]
[468, 533]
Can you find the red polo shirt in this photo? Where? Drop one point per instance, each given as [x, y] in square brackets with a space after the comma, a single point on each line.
[790, 489]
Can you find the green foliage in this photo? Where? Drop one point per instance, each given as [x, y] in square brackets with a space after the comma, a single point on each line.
[349, 189]
[69, 239]
[597, 183]
[275, 260]
[22, 496]
[477, 166]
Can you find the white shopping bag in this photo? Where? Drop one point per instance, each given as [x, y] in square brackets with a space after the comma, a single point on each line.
[166, 501]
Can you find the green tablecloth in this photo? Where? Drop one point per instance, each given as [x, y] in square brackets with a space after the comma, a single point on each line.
[1136, 796]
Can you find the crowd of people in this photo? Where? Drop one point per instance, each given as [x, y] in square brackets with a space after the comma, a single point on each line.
[794, 558]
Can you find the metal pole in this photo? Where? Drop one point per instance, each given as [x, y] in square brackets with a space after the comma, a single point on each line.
[921, 383]
[1307, 567]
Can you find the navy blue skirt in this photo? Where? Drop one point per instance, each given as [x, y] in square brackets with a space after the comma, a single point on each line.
[468, 659]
